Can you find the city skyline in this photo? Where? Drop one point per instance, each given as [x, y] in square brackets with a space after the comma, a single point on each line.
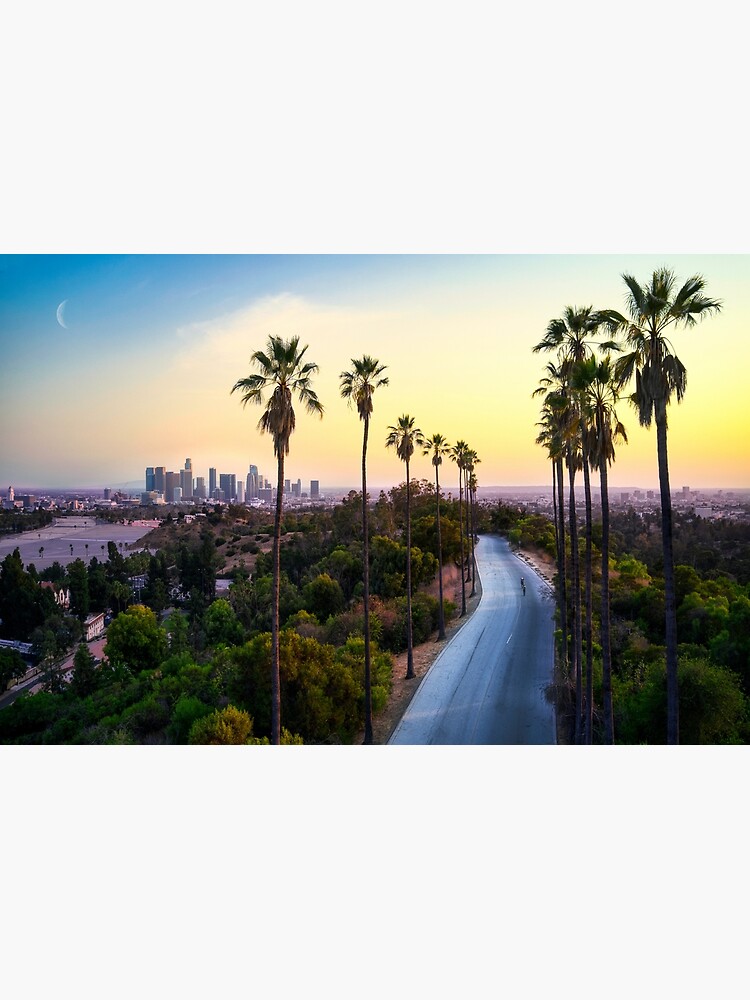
[117, 356]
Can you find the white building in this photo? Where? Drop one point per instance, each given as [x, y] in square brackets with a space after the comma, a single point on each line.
[93, 627]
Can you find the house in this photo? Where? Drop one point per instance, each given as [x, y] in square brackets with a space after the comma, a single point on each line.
[61, 594]
[93, 627]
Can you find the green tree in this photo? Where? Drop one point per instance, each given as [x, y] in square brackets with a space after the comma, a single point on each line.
[655, 309]
[78, 581]
[21, 599]
[404, 437]
[323, 597]
[136, 640]
[85, 674]
[359, 384]
[438, 448]
[12, 667]
[221, 624]
[282, 373]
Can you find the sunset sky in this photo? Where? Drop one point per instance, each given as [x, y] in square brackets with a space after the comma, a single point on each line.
[138, 369]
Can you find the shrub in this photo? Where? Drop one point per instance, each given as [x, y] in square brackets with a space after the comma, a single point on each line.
[229, 726]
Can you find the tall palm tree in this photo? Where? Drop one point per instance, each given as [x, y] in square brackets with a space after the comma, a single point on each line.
[557, 385]
[405, 437]
[596, 383]
[458, 455]
[655, 309]
[572, 337]
[359, 384]
[282, 373]
[551, 437]
[438, 448]
[472, 460]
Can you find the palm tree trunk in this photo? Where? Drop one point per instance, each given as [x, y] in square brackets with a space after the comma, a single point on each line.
[469, 539]
[467, 567]
[275, 672]
[609, 725]
[366, 581]
[409, 651]
[576, 583]
[673, 721]
[589, 698]
[562, 569]
[473, 539]
[461, 535]
[441, 614]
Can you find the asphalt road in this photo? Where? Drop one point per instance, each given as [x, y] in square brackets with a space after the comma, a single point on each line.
[488, 685]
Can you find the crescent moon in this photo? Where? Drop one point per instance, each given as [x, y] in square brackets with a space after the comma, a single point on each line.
[60, 314]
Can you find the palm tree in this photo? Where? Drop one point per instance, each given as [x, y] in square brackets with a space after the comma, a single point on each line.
[596, 383]
[282, 373]
[404, 437]
[438, 448]
[571, 336]
[472, 460]
[552, 437]
[359, 384]
[660, 375]
[557, 385]
[458, 455]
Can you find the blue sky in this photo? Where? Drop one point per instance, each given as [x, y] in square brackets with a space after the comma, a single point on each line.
[140, 374]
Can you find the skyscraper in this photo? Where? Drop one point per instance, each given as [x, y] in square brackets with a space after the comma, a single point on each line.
[240, 492]
[228, 484]
[314, 489]
[252, 485]
[171, 483]
[199, 491]
[211, 481]
[150, 478]
[186, 479]
[160, 480]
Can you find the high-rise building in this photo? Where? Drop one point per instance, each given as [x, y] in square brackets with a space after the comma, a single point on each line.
[150, 478]
[186, 479]
[107, 492]
[228, 484]
[160, 479]
[240, 492]
[314, 489]
[171, 483]
[199, 490]
[297, 488]
[252, 485]
[287, 486]
[211, 481]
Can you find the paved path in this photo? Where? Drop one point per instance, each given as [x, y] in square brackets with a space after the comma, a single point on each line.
[488, 685]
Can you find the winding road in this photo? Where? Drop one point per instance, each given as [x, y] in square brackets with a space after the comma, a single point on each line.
[488, 684]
